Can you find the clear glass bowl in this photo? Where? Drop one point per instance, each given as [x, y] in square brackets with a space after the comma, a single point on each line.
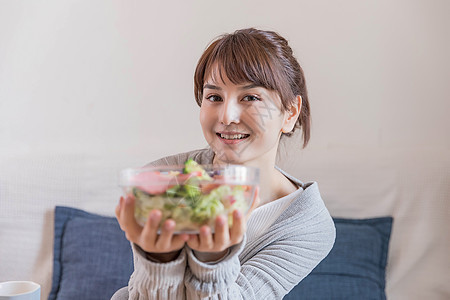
[191, 199]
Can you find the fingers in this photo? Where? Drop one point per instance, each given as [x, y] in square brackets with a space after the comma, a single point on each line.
[179, 240]
[126, 219]
[239, 227]
[224, 237]
[165, 238]
[221, 234]
[128, 210]
[118, 207]
[206, 239]
[203, 241]
[147, 237]
[194, 242]
[149, 233]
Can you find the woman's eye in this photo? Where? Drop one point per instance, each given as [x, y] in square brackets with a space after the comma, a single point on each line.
[213, 98]
[251, 98]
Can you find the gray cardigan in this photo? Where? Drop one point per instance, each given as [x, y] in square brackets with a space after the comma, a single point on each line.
[265, 268]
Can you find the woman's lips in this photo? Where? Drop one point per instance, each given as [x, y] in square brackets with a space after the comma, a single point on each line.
[232, 138]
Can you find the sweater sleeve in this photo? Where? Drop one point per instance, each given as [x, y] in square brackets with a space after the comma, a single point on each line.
[204, 280]
[265, 270]
[153, 280]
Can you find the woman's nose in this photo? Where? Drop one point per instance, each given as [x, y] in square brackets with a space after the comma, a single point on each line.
[231, 113]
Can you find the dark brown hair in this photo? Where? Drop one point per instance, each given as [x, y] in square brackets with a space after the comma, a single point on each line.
[260, 57]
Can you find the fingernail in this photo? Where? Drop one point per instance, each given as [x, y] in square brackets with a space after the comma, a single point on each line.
[169, 225]
[154, 215]
[204, 230]
[221, 220]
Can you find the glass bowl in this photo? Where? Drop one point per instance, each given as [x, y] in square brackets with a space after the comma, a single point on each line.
[192, 195]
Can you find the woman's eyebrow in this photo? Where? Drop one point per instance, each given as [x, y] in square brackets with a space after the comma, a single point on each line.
[211, 86]
[250, 86]
[245, 87]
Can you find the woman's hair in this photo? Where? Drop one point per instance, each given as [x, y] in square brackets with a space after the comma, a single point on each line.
[260, 57]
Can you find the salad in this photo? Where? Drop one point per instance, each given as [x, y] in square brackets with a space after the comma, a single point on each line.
[192, 197]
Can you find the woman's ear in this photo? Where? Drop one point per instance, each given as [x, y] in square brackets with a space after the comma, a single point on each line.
[291, 115]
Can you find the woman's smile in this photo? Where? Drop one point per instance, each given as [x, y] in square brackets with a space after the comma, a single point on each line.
[231, 138]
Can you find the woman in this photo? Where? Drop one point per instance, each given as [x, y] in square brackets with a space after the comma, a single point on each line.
[251, 92]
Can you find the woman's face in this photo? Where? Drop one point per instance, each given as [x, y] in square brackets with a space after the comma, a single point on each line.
[242, 123]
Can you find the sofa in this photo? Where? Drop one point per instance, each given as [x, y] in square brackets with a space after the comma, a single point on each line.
[390, 207]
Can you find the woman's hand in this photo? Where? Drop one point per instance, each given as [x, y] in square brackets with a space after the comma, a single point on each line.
[163, 247]
[212, 247]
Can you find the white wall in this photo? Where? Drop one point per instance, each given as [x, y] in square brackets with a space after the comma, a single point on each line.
[116, 76]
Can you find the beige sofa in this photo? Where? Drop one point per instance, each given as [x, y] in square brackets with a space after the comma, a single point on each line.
[411, 185]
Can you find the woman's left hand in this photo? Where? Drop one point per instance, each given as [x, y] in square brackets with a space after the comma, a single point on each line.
[213, 246]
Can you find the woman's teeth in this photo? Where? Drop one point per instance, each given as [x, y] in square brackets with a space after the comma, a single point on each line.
[234, 136]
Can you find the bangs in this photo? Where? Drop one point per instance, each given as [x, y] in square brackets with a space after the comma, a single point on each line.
[241, 62]
[242, 58]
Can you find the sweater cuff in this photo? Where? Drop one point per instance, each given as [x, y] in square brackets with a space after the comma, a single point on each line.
[225, 269]
[151, 276]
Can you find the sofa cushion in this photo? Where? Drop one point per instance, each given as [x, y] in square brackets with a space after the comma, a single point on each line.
[355, 267]
[93, 259]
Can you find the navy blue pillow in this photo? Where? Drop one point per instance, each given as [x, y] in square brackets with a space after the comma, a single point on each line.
[355, 267]
[92, 257]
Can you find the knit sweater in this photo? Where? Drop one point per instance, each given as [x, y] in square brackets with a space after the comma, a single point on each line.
[297, 233]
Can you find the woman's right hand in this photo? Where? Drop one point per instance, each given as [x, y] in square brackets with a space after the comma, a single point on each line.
[162, 247]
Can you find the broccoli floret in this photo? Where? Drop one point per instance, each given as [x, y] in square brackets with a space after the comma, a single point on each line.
[192, 190]
[191, 166]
